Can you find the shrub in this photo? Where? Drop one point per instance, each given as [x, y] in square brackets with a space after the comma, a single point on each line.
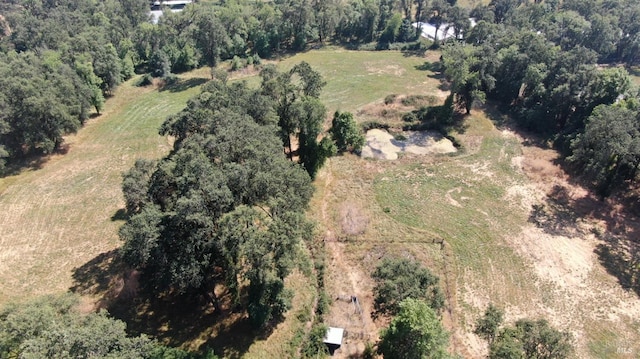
[236, 63]
[399, 278]
[314, 346]
[345, 132]
[145, 80]
[256, 59]
[416, 332]
[389, 99]
[370, 125]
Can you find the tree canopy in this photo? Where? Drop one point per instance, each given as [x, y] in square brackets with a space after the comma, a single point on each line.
[414, 333]
[608, 152]
[224, 207]
[52, 327]
[397, 279]
[526, 339]
[531, 339]
[346, 133]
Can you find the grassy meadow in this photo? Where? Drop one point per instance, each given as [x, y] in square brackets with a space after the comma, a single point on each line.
[64, 214]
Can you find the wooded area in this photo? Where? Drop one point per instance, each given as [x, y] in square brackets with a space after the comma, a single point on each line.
[543, 60]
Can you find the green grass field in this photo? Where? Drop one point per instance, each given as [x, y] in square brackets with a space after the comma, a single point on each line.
[59, 216]
[357, 78]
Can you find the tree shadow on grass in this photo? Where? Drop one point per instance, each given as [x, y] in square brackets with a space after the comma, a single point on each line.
[618, 250]
[182, 85]
[99, 276]
[120, 215]
[32, 162]
[175, 320]
[621, 259]
[435, 67]
[566, 206]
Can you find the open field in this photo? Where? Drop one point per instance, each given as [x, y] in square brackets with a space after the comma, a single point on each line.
[467, 217]
[479, 203]
[65, 213]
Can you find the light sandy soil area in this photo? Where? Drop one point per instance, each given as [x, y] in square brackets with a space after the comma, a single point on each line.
[381, 144]
[575, 289]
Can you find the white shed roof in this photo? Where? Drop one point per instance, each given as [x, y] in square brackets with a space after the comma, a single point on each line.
[444, 32]
[429, 31]
[334, 336]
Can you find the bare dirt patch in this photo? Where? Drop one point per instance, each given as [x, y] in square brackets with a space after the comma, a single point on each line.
[380, 68]
[563, 244]
[381, 144]
[353, 220]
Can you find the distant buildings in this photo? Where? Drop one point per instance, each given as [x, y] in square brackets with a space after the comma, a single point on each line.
[444, 32]
[158, 7]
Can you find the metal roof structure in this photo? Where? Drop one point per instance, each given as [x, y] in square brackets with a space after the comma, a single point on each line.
[334, 336]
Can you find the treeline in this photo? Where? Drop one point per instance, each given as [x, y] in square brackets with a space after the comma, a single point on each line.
[77, 52]
[58, 61]
[541, 62]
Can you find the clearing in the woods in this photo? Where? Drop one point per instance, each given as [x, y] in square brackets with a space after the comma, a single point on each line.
[498, 221]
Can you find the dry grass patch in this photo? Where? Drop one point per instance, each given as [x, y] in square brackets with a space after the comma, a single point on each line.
[480, 203]
[62, 215]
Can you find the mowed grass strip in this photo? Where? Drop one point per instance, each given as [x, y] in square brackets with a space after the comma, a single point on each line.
[357, 78]
[59, 217]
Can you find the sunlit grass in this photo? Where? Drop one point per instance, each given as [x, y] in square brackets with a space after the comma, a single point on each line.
[58, 217]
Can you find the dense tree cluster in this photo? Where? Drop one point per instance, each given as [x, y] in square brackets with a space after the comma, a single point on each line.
[526, 339]
[58, 61]
[607, 152]
[537, 55]
[543, 62]
[52, 327]
[397, 279]
[226, 205]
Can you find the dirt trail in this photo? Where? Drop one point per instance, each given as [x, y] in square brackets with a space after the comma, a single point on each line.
[346, 285]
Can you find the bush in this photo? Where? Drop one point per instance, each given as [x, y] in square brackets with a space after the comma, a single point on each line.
[416, 332]
[170, 79]
[219, 74]
[487, 326]
[440, 118]
[237, 64]
[389, 99]
[256, 60]
[399, 278]
[314, 344]
[345, 132]
[531, 339]
[419, 100]
[160, 64]
[323, 304]
[145, 80]
[370, 125]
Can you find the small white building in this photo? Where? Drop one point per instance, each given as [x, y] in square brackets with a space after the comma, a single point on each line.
[444, 32]
[158, 7]
[333, 338]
